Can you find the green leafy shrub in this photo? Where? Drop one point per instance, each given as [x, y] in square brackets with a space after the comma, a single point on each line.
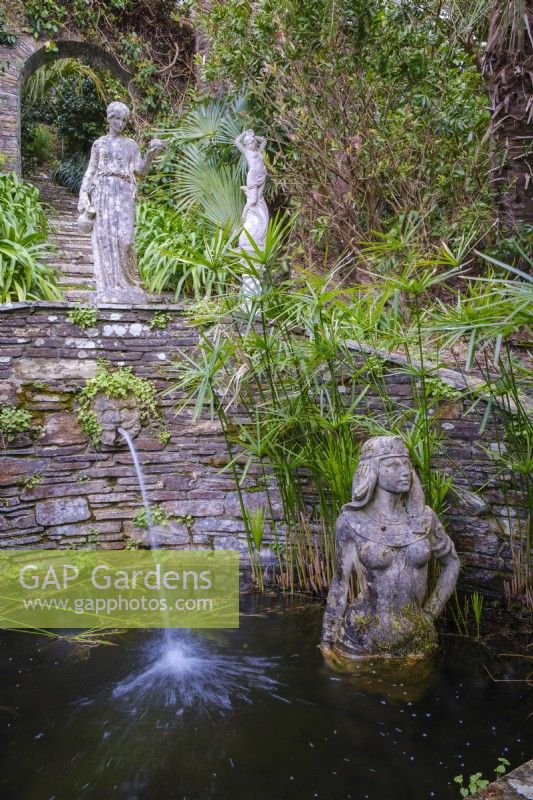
[13, 422]
[79, 102]
[24, 245]
[376, 115]
[157, 54]
[45, 17]
[177, 253]
[114, 383]
[67, 99]
[69, 172]
[7, 37]
[159, 321]
[41, 146]
[83, 316]
[159, 517]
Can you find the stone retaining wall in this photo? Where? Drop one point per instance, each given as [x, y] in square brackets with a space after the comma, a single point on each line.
[56, 490]
[80, 494]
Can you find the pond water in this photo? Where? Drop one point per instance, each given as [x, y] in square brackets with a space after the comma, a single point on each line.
[249, 713]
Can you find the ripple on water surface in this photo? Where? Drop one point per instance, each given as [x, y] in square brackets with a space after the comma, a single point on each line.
[250, 713]
[183, 671]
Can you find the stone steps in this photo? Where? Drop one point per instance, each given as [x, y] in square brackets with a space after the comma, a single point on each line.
[82, 296]
[61, 256]
[73, 259]
[72, 268]
[66, 234]
[66, 281]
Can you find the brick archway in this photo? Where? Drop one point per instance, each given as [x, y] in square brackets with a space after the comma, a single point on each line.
[21, 61]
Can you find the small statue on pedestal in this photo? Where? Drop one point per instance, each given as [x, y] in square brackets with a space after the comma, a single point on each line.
[255, 216]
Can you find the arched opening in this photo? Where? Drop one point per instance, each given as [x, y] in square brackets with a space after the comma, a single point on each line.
[75, 48]
[22, 60]
[63, 94]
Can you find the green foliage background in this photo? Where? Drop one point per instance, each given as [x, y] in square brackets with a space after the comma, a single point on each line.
[398, 146]
[24, 246]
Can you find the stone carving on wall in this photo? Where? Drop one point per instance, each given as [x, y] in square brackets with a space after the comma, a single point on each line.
[387, 536]
[114, 413]
[107, 206]
[255, 216]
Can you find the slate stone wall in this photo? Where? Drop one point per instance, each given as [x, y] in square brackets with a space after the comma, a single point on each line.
[57, 491]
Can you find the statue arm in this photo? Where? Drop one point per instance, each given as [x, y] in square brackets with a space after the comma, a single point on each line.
[338, 592]
[84, 202]
[262, 143]
[443, 550]
[239, 142]
[153, 149]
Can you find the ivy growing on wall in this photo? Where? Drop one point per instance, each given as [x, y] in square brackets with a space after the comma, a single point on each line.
[116, 383]
[83, 316]
[14, 421]
[7, 36]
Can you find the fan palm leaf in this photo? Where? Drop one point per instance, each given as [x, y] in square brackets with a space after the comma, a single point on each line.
[216, 190]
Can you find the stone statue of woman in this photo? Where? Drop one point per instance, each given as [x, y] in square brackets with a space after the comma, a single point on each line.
[107, 203]
[387, 535]
[255, 216]
[252, 147]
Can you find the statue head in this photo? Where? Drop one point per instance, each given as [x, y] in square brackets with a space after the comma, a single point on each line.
[117, 116]
[385, 462]
[249, 139]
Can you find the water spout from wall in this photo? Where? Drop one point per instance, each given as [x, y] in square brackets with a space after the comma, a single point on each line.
[142, 483]
[182, 668]
[148, 509]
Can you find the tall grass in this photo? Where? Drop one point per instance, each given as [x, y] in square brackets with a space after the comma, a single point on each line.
[301, 378]
[494, 317]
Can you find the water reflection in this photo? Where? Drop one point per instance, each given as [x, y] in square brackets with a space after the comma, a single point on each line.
[402, 679]
[248, 713]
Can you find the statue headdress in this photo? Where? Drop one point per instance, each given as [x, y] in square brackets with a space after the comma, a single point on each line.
[365, 479]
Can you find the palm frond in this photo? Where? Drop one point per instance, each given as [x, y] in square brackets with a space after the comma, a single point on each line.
[214, 121]
[198, 181]
[510, 28]
[45, 79]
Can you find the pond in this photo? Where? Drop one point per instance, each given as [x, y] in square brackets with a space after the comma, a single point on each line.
[250, 713]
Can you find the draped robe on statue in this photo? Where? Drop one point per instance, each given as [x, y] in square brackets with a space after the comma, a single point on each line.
[110, 182]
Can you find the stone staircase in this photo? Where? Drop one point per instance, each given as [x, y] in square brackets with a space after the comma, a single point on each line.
[73, 258]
